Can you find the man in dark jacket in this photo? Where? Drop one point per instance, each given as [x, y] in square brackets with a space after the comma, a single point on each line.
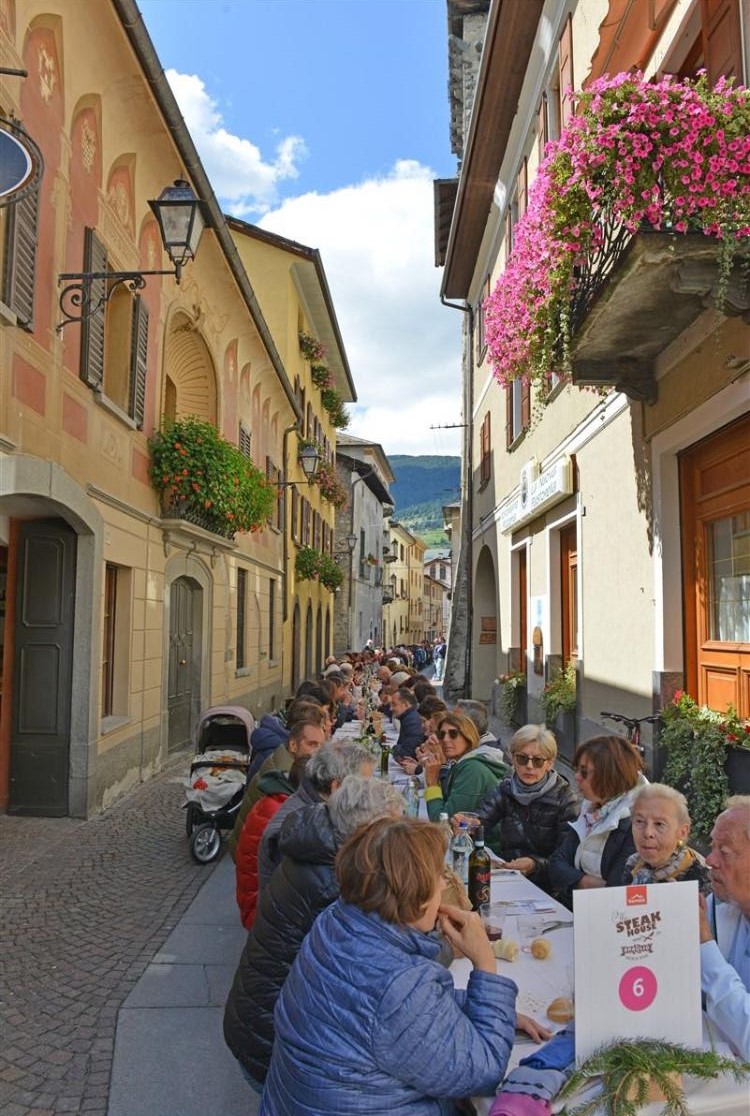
[300, 888]
[411, 731]
[324, 773]
[265, 737]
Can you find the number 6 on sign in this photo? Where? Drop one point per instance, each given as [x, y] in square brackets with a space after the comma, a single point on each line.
[638, 988]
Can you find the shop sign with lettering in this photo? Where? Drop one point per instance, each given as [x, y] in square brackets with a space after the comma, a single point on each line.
[537, 491]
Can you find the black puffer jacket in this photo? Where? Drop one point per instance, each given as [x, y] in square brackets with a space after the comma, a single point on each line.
[514, 829]
[301, 887]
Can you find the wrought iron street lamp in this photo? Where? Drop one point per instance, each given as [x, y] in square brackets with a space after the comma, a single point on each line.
[179, 215]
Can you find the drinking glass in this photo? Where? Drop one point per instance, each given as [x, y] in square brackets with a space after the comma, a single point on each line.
[529, 927]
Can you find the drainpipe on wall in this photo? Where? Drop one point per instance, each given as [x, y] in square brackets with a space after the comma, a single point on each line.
[458, 664]
[285, 534]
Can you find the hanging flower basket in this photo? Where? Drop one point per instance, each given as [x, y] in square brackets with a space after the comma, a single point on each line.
[205, 479]
[669, 155]
[331, 488]
[321, 376]
[311, 349]
[334, 405]
[312, 565]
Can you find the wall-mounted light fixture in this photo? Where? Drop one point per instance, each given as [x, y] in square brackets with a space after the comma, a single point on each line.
[179, 215]
[309, 458]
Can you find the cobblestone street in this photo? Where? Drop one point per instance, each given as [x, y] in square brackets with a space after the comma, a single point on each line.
[85, 906]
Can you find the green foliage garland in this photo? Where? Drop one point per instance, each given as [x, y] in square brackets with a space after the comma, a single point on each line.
[203, 478]
[628, 1068]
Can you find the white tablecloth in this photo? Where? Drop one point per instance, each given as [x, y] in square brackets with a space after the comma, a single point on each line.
[541, 981]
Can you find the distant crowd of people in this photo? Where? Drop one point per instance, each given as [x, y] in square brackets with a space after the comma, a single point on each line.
[342, 1001]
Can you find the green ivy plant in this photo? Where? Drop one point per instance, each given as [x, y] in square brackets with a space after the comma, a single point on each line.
[627, 1069]
[696, 739]
[559, 695]
[205, 479]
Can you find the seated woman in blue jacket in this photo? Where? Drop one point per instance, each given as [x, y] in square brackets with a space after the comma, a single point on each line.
[368, 1021]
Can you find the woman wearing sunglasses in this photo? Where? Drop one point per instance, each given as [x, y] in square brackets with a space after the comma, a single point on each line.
[526, 817]
[476, 769]
[599, 842]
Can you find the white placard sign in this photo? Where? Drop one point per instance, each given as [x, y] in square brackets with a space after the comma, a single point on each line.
[637, 964]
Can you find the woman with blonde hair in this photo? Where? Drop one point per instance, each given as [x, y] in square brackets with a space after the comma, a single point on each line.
[477, 768]
[526, 816]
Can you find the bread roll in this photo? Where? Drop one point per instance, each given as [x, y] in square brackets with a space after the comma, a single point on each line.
[540, 948]
[561, 1010]
[505, 949]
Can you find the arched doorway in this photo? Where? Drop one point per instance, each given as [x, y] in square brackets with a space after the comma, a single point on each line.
[185, 656]
[484, 652]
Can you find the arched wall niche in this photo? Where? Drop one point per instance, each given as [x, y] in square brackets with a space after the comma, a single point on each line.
[190, 369]
[120, 190]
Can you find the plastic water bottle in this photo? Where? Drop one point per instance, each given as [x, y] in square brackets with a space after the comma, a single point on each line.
[445, 825]
[411, 794]
[462, 847]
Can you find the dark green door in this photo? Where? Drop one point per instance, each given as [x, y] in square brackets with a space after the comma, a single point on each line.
[184, 659]
[43, 660]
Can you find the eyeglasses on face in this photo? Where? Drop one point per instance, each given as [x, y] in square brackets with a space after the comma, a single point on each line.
[449, 734]
[523, 760]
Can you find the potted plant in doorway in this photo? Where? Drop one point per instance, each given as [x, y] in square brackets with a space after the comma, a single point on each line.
[559, 703]
[511, 703]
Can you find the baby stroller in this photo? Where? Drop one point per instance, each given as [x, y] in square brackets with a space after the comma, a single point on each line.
[218, 777]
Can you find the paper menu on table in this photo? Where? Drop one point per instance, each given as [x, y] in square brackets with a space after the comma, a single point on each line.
[637, 964]
[514, 907]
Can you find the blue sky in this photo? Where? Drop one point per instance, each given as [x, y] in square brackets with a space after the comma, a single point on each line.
[326, 121]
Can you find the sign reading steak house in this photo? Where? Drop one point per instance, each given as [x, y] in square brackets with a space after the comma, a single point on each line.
[537, 491]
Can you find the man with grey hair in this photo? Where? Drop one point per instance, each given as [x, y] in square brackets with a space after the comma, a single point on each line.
[725, 927]
[323, 774]
[301, 887]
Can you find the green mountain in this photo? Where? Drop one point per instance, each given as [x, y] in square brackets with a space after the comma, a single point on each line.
[422, 486]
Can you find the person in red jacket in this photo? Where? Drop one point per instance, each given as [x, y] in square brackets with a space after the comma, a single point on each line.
[275, 786]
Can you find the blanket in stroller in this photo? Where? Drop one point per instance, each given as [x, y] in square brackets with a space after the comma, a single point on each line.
[215, 777]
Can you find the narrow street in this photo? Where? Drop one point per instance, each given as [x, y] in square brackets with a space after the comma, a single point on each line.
[86, 905]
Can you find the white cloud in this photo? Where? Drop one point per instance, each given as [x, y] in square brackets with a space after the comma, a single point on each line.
[238, 172]
[376, 241]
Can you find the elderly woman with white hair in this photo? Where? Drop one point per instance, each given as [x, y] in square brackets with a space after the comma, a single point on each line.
[661, 824]
[301, 887]
[526, 816]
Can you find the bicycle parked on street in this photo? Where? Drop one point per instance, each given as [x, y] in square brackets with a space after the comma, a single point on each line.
[632, 726]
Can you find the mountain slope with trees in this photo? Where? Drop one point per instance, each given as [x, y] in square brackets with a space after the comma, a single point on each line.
[422, 486]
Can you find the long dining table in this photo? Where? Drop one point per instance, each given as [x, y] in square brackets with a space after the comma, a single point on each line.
[541, 981]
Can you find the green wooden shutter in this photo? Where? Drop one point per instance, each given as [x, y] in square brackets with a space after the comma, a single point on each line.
[138, 360]
[92, 328]
[20, 258]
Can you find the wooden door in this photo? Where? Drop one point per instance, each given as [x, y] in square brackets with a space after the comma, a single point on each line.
[42, 672]
[715, 504]
[523, 610]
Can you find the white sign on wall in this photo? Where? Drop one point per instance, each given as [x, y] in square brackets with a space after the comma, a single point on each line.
[637, 964]
[537, 491]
